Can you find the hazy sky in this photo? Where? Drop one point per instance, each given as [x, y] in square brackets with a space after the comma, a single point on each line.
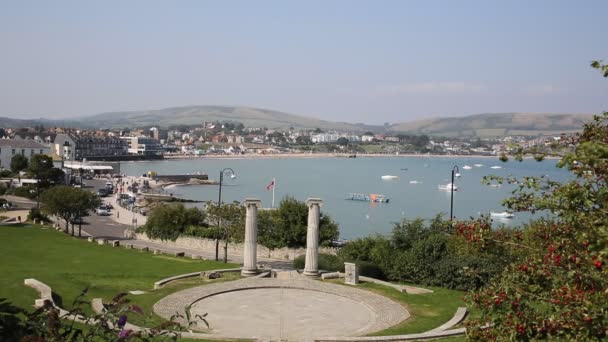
[357, 61]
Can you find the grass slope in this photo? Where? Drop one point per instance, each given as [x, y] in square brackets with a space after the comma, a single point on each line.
[68, 265]
[191, 115]
[496, 124]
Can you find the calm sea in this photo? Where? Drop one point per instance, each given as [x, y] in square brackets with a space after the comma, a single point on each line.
[332, 179]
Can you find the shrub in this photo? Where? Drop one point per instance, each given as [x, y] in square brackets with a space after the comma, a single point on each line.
[327, 262]
[36, 214]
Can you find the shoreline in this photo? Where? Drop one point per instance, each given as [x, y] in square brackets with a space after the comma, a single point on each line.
[334, 155]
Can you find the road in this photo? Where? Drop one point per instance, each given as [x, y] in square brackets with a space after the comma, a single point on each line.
[105, 227]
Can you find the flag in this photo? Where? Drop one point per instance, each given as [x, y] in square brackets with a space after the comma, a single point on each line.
[270, 185]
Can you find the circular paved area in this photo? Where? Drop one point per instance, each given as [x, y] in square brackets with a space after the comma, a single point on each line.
[279, 314]
[294, 309]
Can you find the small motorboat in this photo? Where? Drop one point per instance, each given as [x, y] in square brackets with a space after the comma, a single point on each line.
[414, 182]
[478, 165]
[495, 167]
[389, 177]
[495, 185]
[467, 167]
[376, 198]
[457, 174]
[447, 187]
[504, 214]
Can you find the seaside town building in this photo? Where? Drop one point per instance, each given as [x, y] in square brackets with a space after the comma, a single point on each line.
[27, 148]
[72, 146]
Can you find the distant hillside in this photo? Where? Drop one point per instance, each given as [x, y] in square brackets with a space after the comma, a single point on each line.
[482, 125]
[496, 125]
[192, 115]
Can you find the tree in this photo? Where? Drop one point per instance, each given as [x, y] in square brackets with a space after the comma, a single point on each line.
[557, 285]
[342, 141]
[168, 222]
[287, 226]
[68, 203]
[41, 168]
[229, 221]
[18, 163]
[303, 140]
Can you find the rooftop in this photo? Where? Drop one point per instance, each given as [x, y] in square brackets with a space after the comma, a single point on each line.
[18, 143]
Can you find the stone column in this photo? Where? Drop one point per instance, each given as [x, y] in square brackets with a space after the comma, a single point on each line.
[251, 237]
[311, 267]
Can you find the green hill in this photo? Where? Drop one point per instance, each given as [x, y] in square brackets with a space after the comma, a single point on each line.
[496, 125]
[192, 115]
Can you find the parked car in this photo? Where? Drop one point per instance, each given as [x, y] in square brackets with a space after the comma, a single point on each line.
[102, 212]
[102, 192]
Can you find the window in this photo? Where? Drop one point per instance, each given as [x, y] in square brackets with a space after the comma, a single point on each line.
[41, 151]
[13, 151]
[22, 151]
[32, 152]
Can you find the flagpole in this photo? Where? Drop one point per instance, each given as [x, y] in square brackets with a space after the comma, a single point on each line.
[274, 182]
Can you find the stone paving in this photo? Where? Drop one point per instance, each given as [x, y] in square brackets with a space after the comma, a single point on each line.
[295, 309]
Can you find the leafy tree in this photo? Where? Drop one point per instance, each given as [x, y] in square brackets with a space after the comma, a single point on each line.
[287, 226]
[342, 141]
[229, 222]
[41, 168]
[18, 163]
[557, 285]
[303, 140]
[68, 203]
[168, 222]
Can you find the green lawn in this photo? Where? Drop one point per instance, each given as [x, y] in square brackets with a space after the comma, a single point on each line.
[428, 311]
[68, 265]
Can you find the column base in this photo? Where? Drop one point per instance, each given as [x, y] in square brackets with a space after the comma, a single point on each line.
[249, 273]
[312, 274]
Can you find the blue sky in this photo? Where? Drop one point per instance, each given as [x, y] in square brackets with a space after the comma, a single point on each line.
[356, 61]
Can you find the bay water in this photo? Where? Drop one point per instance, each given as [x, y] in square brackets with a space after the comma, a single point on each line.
[332, 179]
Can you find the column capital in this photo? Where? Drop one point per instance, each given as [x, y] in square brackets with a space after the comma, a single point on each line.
[252, 201]
[312, 201]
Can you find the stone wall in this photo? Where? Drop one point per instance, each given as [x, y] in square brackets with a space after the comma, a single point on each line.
[208, 245]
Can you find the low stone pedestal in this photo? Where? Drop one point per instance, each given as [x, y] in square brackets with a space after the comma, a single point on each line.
[101, 241]
[115, 243]
[91, 239]
[351, 273]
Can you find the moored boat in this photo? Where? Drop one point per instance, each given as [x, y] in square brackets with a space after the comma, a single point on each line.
[389, 177]
[447, 187]
[504, 214]
[376, 198]
[467, 167]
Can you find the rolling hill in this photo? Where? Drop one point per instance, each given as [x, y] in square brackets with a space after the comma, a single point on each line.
[193, 115]
[496, 125]
[481, 125]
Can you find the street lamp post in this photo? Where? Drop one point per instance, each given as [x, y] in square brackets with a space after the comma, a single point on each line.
[232, 175]
[454, 171]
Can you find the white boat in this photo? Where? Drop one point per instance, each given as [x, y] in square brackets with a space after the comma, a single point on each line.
[457, 174]
[467, 167]
[414, 182]
[495, 167]
[447, 187]
[478, 165]
[504, 214]
[389, 177]
[377, 198]
[495, 185]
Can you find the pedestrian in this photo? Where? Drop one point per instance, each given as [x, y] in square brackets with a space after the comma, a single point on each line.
[19, 218]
